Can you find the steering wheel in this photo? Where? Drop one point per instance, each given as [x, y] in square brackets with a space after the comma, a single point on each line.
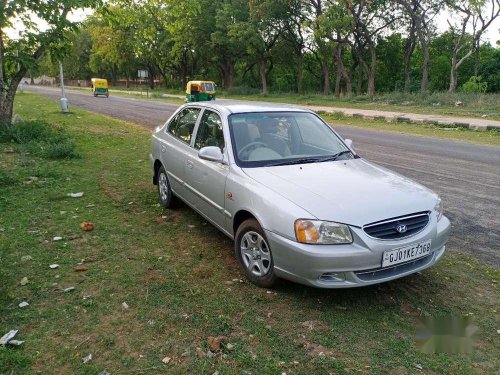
[251, 146]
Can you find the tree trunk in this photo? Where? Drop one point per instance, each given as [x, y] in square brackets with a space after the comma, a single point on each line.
[372, 71]
[165, 78]
[4, 117]
[263, 76]
[300, 74]
[454, 68]
[326, 78]
[7, 101]
[409, 48]
[359, 88]
[228, 74]
[337, 81]
[477, 57]
[453, 73]
[184, 76]
[151, 81]
[424, 84]
[341, 71]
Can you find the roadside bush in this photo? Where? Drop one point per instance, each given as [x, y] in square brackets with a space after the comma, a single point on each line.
[40, 138]
[36, 131]
[474, 85]
[63, 150]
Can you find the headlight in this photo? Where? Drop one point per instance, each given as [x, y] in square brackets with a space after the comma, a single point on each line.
[439, 209]
[322, 232]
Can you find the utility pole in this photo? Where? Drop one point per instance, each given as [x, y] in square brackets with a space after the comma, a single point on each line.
[63, 101]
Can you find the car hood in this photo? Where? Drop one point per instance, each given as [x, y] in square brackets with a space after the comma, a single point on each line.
[354, 191]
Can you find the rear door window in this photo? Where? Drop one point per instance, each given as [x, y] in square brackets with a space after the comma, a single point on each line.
[182, 125]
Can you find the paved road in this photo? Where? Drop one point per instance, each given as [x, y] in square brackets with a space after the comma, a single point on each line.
[467, 176]
[370, 114]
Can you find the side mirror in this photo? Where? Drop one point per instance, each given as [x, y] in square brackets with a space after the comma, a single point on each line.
[211, 153]
[348, 142]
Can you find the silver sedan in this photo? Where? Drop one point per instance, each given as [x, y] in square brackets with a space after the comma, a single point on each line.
[296, 198]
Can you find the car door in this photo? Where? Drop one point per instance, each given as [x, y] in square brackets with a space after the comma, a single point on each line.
[176, 147]
[206, 180]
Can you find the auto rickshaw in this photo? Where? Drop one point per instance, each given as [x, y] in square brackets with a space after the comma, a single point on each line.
[100, 87]
[198, 91]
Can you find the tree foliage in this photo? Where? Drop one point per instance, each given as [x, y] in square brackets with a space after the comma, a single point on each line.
[341, 46]
[43, 26]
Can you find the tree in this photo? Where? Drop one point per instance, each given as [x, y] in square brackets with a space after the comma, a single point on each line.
[409, 46]
[467, 12]
[422, 13]
[227, 51]
[322, 47]
[335, 25]
[18, 57]
[113, 38]
[293, 33]
[368, 20]
[259, 33]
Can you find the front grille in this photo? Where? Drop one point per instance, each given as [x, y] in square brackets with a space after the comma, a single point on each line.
[398, 269]
[386, 229]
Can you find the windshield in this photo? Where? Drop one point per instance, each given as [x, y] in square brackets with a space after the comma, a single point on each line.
[280, 138]
[208, 86]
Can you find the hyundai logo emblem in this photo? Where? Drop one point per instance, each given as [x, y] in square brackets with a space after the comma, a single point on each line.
[401, 228]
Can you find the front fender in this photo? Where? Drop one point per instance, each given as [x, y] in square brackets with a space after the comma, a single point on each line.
[274, 212]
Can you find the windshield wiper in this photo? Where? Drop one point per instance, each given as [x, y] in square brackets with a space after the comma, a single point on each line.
[310, 159]
[335, 157]
[295, 161]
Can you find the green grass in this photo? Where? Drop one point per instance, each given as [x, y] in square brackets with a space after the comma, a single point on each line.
[439, 103]
[490, 137]
[473, 105]
[175, 272]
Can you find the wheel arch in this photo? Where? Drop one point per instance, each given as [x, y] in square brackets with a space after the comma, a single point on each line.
[240, 217]
[156, 167]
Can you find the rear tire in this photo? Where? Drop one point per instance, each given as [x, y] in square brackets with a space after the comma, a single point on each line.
[254, 254]
[165, 195]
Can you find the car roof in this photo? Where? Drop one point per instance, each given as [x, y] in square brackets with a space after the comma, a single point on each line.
[240, 106]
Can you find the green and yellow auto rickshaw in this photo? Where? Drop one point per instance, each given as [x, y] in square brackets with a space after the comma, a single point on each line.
[198, 91]
[100, 87]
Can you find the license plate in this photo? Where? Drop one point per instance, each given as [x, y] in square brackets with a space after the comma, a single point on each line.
[404, 254]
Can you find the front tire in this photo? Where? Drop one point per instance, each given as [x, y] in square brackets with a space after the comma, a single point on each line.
[254, 254]
[164, 191]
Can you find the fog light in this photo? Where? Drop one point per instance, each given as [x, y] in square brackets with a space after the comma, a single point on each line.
[330, 277]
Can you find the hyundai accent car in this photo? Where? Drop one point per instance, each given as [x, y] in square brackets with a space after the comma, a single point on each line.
[296, 198]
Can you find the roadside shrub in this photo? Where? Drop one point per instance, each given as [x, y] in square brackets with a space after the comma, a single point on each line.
[36, 131]
[474, 85]
[64, 150]
[40, 138]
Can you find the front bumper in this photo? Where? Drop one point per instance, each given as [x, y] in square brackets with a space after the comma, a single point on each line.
[358, 264]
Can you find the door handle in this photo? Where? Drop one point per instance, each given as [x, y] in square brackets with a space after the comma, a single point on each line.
[189, 164]
[163, 148]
